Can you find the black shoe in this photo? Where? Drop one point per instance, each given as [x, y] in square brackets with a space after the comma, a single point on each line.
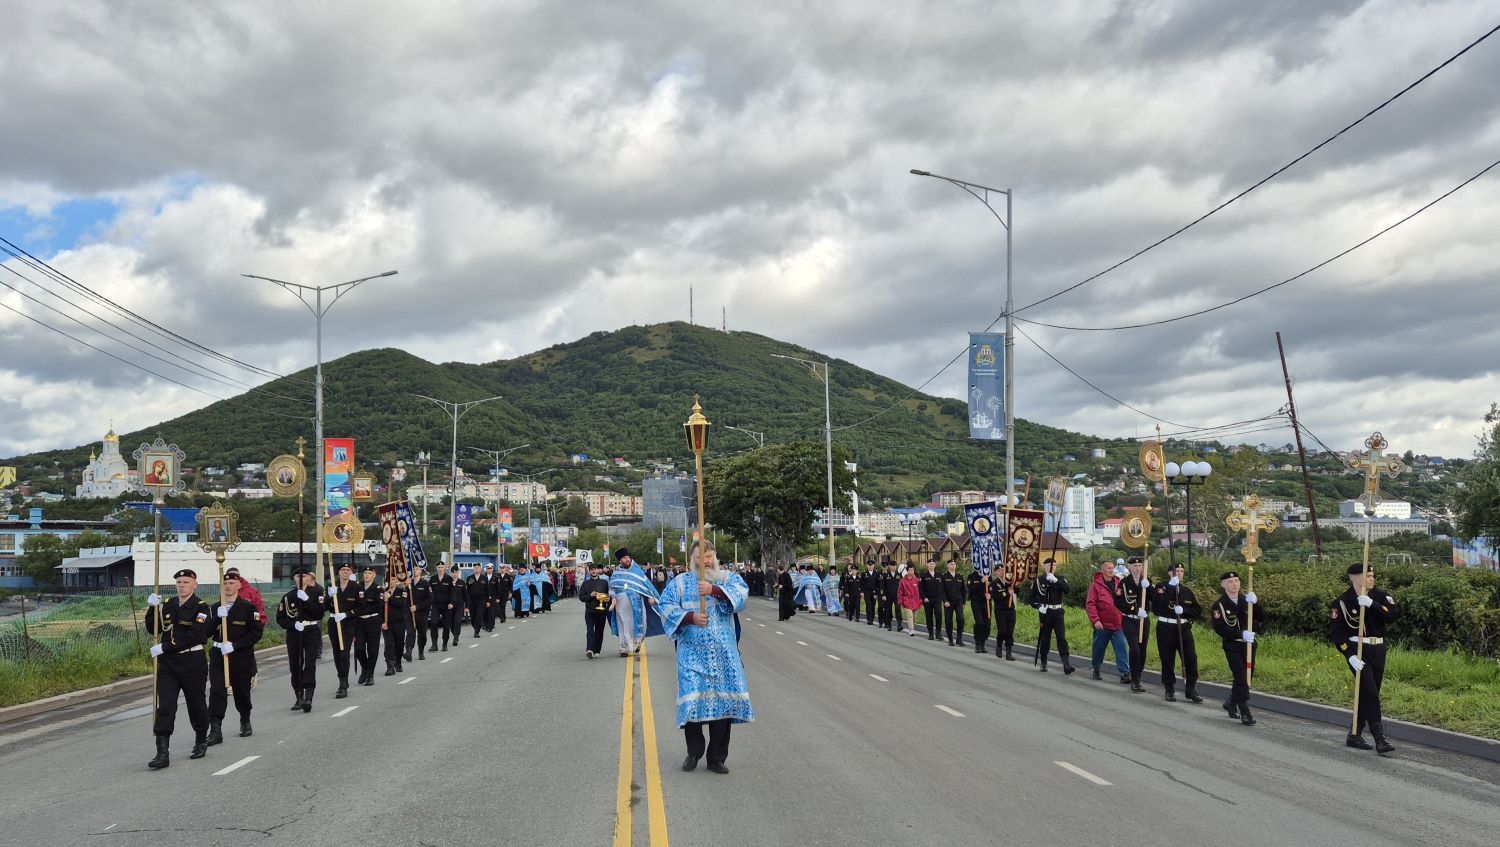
[1008, 656]
[1096, 674]
[407, 655]
[390, 669]
[421, 657]
[961, 643]
[1192, 694]
[1232, 708]
[215, 733]
[307, 701]
[1172, 698]
[1044, 667]
[1245, 717]
[1377, 729]
[163, 758]
[445, 647]
[1357, 742]
[343, 690]
[690, 763]
[245, 730]
[1068, 669]
[200, 747]
[931, 637]
[978, 649]
[1124, 679]
[717, 767]
[297, 705]
[399, 668]
[1136, 688]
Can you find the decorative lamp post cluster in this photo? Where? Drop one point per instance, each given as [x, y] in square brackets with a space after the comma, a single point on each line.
[1187, 475]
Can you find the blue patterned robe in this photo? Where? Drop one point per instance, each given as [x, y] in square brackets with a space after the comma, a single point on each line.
[810, 592]
[631, 584]
[710, 677]
[831, 593]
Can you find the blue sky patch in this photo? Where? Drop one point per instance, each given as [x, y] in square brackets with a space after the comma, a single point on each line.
[68, 225]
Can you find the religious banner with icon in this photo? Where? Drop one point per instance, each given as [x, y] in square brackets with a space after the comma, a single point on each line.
[286, 475]
[1153, 464]
[218, 529]
[398, 530]
[1052, 503]
[159, 468]
[463, 520]
[362, 486]
[1135, 530]
[541, 551]
[984, 535]
[391, 535]
[344, 533]
[1023, 542]
[338, 470]
[986, 386]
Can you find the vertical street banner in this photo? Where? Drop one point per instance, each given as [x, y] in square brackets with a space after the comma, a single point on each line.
[338, 470]
[984, 535]
[1023, 542]
[536, 531]
[986, 386]
[464, 521]
[507, 526]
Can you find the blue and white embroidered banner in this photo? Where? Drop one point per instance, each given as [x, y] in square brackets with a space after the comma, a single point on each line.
[986, 386]
[984, 536]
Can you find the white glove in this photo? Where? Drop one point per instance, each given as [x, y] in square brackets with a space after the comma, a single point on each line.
[153, 599]
[1042, 607]
[1177, 610]
[339, 616]
[223, 611]
[301, 595]
[1250, 598]
[1357, 663]
[1173, 581]
[298, 626]
[1248, 637]
[1364, 600]
[1052, 577]
[1145, 583]
[1141, 614]
[157, 650]
[332, 590]
[226, 648]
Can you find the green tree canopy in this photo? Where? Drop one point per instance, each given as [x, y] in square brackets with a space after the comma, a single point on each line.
[767, 496]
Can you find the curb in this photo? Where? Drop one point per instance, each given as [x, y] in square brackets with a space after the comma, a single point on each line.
[87, 695]
[1396, 730]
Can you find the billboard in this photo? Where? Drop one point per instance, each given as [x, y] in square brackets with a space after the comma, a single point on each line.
[338, 470]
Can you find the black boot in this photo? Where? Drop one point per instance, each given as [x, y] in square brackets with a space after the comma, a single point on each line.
[1377, 729]
[1008, 656]
[1357, 742]
[1172, 698]
[163, 758]
[343, 688]
[390, 668]
[245, 731]
[1192, 694]
[1232, 708]
[297, 705]
[1136, 687]
[307, 701]
[200, 746]
[1044, 667]
[1068, 669]
[407, 655]
[1097, 674]
[1245, 717]
[421, 655]
[215, 732]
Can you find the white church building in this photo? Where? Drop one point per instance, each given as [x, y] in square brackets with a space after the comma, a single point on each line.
[107, 474]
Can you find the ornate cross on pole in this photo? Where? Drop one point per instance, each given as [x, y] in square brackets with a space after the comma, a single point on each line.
[1373, 462]
[1251, 521]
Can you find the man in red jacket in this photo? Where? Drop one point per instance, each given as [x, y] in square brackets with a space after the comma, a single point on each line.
[1107, 622]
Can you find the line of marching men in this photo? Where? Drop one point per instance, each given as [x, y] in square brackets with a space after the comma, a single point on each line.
[1121, 601]
[199, 641]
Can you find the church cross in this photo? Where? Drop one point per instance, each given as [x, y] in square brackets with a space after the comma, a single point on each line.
[1251, 521]
[1373, 462]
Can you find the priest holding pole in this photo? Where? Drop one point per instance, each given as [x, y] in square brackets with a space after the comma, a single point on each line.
[698, 611]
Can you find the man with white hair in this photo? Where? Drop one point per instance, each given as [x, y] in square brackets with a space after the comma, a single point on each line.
[698, 613]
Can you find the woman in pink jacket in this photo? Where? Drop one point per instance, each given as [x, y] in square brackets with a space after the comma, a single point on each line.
[909, 598]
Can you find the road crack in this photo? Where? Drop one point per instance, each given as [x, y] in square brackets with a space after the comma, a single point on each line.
[1163, 771]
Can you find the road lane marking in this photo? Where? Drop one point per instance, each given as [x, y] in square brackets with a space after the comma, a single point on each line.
[833, 657]
[446, 661]
[341, 712]
[941, 708]
[512, 626]
[112, 826]
[1083, 773]
[878, 678]
[779, 632]
[623, 823]
[760, 624]
[496, 635]
[241, 763]
[656, 807]
[405, 681]
[803, 643]
[472, 646]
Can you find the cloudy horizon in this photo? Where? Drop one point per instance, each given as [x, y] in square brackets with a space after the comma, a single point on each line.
[537, 172]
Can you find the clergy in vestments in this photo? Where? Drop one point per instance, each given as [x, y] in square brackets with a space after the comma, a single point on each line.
[633, 616]
[831, 592]
[711, 688]
[809, 590]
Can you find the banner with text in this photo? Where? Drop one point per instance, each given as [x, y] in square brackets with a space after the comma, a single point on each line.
[986, 386]
[338, 468]
[984, 535]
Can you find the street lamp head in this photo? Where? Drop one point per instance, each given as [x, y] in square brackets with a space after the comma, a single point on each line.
[1172, 470]
[917, 172]
[1204, 469]
[696, 428]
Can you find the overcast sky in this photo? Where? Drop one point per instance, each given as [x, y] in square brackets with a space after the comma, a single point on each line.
[539, 171]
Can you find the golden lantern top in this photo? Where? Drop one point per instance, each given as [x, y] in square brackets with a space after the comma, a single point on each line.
[696, 428]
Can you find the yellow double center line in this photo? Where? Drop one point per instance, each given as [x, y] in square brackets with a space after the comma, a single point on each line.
[656, 811]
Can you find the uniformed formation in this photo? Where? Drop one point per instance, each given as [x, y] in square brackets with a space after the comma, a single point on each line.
[358, 617]
[1122, 601]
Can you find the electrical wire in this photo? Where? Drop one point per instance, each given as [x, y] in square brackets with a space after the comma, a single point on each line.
[1265, 179]
[1319, 266]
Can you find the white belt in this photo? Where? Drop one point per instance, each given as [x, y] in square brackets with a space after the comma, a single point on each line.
[1172, 620]
[367, 617]
[1356, 640]
[1050, 608]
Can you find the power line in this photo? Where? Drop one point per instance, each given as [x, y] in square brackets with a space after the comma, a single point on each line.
[1265, 179]
[1319, 266]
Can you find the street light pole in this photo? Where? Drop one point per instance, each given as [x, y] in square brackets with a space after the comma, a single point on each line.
[496, 456]
[827, 442]
[315, 305]
[982, 194]
[760, 437]
[456, 411]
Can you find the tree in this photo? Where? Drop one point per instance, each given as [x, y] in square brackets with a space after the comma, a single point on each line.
[41, 556]
[768, 496]
[576, 513]
[1477, 499]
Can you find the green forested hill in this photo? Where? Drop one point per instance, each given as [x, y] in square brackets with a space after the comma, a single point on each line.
[623, 393]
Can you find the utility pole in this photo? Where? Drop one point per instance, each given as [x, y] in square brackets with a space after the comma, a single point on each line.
[1312, 508]
[456, 411]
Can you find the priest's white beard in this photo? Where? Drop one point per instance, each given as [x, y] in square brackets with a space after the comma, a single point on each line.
[714, 575]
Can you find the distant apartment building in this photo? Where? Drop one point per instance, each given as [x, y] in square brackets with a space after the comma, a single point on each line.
[881, 524]
[1392, 517]
[511, 492]
[15, 530]
[604, 505]
[949, 499]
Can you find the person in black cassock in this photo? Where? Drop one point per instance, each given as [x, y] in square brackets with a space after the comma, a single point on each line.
[594, 592]
[786, 594]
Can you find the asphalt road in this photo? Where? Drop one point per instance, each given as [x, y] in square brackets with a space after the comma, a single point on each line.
[862, 737]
